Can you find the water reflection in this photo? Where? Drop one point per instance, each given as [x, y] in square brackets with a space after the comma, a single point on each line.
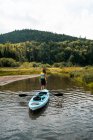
[59, 82]
[37, 113]
[54, 82]
[67, 117]
[22, 85]
[22, 103]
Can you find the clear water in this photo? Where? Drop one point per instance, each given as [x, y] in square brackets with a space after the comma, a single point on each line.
[67, 117]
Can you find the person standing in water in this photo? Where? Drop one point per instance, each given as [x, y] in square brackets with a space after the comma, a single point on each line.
[43, 79]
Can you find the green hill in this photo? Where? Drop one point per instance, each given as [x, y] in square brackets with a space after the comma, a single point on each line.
[44, 47]
[34, 35]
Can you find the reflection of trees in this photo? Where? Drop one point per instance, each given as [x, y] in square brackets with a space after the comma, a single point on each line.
[59, 82]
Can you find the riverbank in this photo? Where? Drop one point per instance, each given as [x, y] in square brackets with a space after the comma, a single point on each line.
[81, 75]
[8, 75]
[19, 71]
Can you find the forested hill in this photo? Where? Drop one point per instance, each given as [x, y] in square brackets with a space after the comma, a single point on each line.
[42, 47]
[34, 35]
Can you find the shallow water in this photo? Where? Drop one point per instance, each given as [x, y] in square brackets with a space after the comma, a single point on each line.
[67, 117]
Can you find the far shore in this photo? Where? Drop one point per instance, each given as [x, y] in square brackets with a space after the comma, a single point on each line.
[81, 75]
[9, 79]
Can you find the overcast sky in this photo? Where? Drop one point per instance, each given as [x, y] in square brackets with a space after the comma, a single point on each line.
[71, 17]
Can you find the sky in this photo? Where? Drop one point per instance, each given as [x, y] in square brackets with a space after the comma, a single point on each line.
[70, 17]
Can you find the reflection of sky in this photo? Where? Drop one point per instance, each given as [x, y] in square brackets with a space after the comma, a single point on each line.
[72, 17]
[22, 85]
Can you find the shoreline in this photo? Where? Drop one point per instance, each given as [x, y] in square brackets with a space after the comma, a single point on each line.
[9, 79]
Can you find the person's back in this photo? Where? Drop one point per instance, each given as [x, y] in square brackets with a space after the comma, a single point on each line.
[42, 75]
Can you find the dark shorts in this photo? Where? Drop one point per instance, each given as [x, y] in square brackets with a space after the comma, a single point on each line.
[43, 82]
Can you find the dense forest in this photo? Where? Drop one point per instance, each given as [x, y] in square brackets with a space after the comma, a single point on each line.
[66, 51]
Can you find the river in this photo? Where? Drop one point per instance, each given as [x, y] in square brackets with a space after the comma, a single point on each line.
[67, 117]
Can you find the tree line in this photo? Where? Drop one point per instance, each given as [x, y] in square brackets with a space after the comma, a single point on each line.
[67, 53]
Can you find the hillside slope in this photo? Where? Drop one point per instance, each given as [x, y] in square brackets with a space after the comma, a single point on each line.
[34, 35]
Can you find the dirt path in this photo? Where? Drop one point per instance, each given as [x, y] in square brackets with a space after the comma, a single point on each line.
[8, 79]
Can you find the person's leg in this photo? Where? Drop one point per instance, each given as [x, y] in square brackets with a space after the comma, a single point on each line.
[44, 86]
[41, 87]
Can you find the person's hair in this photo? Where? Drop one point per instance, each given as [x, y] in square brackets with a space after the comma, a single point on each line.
[44, 70]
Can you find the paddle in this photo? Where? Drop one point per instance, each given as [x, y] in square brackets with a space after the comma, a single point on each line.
[57, 94]
[23, 95]
[53, 93]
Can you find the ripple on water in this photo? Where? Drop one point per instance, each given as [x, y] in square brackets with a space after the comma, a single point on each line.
[64, 117]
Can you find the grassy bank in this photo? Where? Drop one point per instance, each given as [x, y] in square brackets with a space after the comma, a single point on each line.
[19, 71]
[81, 75]
[37, 70]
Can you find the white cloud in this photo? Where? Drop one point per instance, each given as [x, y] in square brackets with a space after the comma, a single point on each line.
[72, 17]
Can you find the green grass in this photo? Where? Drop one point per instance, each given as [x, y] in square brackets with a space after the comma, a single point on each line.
[84, 77]
[19, 71]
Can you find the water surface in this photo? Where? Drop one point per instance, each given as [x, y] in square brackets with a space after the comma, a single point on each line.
[67, 117]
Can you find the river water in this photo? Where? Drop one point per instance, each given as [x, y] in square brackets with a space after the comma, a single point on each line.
[67, 117]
